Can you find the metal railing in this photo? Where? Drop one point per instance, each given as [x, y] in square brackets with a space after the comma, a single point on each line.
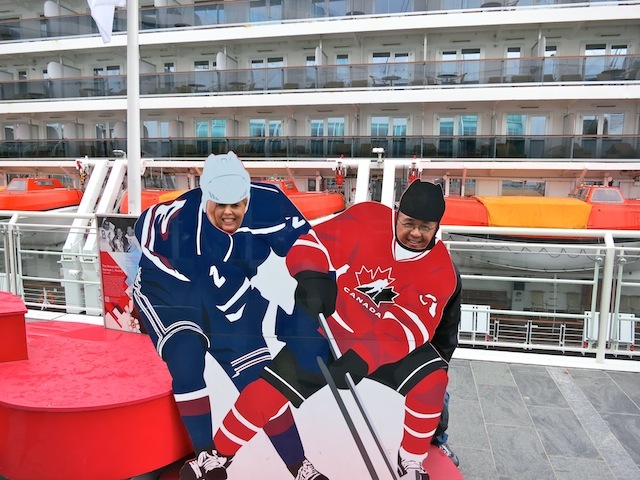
[568, 291]
[35, 263]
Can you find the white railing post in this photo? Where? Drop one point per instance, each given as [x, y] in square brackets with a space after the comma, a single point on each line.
[605, 298]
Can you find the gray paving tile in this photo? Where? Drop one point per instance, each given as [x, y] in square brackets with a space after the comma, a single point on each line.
[562, 433]
[461, 383]
[612, 451]
[626, 428]
[503, 405]
[476, 464]
[629, 383]
[537, 387]
[603, 392]
[492, 373]
[519, 454]
[520, 422]
[466, 425]
[580, 469]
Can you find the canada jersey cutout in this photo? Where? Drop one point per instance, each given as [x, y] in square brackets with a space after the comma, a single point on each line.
[398, 303]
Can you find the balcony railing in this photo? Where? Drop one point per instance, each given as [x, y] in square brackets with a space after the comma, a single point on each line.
[620, 148]
[430, 74]
[223, 13]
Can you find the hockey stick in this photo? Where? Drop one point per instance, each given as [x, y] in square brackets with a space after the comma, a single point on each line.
[335, 350]
[348, 419]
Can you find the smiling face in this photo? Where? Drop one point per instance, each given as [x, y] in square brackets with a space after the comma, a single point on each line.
[226, 216]
[414, 234]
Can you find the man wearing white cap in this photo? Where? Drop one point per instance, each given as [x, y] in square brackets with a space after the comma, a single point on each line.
[194, 295]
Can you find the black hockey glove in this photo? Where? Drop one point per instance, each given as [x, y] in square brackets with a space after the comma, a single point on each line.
[351, 363]
[316, 292]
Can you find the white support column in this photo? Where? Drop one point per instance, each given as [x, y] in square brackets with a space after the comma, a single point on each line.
[134, 182]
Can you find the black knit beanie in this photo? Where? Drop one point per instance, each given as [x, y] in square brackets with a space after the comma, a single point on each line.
[423, 201]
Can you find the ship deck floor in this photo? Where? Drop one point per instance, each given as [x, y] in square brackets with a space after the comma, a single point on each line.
[536, 416]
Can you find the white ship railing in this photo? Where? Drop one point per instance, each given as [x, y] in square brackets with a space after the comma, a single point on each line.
[36, 266]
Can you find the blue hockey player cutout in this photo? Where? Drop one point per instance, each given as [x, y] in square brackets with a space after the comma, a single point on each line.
[194, 294]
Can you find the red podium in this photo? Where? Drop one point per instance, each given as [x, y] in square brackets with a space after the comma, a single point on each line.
[88, 403]
[13, 338]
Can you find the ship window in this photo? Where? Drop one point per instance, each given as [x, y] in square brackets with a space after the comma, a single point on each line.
[465, 126]
[391, 65]
[332, 127]
[8, 132]
[607, 195]
[267, 73]
[603, 58]
[216, 128]
[156, 129]
[455, 187]
[514, 54]
[550, 66]
[392, 6]
[342, 70]
[530, 188]
[17, 185]
[265, 10]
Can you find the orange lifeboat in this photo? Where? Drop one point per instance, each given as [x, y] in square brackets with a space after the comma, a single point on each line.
[587, 207]
[311, 204]
[38, 194]
[150, 197]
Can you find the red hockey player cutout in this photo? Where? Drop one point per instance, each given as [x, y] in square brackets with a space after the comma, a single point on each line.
[391, 294]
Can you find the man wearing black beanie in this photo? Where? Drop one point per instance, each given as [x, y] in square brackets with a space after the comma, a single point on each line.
[391, 297]
[419, 213]
[421, 208]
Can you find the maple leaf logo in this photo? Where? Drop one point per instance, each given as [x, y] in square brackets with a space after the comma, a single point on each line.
[376, 284]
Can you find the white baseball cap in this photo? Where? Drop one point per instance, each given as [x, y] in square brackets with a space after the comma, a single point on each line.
[224, 179]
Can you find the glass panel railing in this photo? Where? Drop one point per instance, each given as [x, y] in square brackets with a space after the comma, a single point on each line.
[617, 69]
[246, 12]
[622, 148]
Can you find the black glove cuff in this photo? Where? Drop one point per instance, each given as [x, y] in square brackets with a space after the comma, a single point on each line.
[305, 275]
[350, 363]
[316, 292]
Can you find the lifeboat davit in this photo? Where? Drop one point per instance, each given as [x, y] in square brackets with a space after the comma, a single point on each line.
[586, 208]
[38, 194]
[312, 205]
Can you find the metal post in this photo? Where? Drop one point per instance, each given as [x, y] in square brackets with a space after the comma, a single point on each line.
[134, 183]
[605, 298]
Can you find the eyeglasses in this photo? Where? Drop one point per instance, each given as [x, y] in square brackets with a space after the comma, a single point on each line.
[422, 228]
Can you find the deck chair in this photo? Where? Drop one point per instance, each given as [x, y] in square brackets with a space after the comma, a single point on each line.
[378, 82]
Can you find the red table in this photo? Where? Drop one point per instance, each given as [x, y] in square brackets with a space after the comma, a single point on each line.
[88, 403]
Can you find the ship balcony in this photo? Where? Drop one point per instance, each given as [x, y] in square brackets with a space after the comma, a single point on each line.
[243, 12]
[489, 74]
[550, 148]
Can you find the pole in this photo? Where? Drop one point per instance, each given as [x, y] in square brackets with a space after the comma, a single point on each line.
[134, 183]
[335, 351]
